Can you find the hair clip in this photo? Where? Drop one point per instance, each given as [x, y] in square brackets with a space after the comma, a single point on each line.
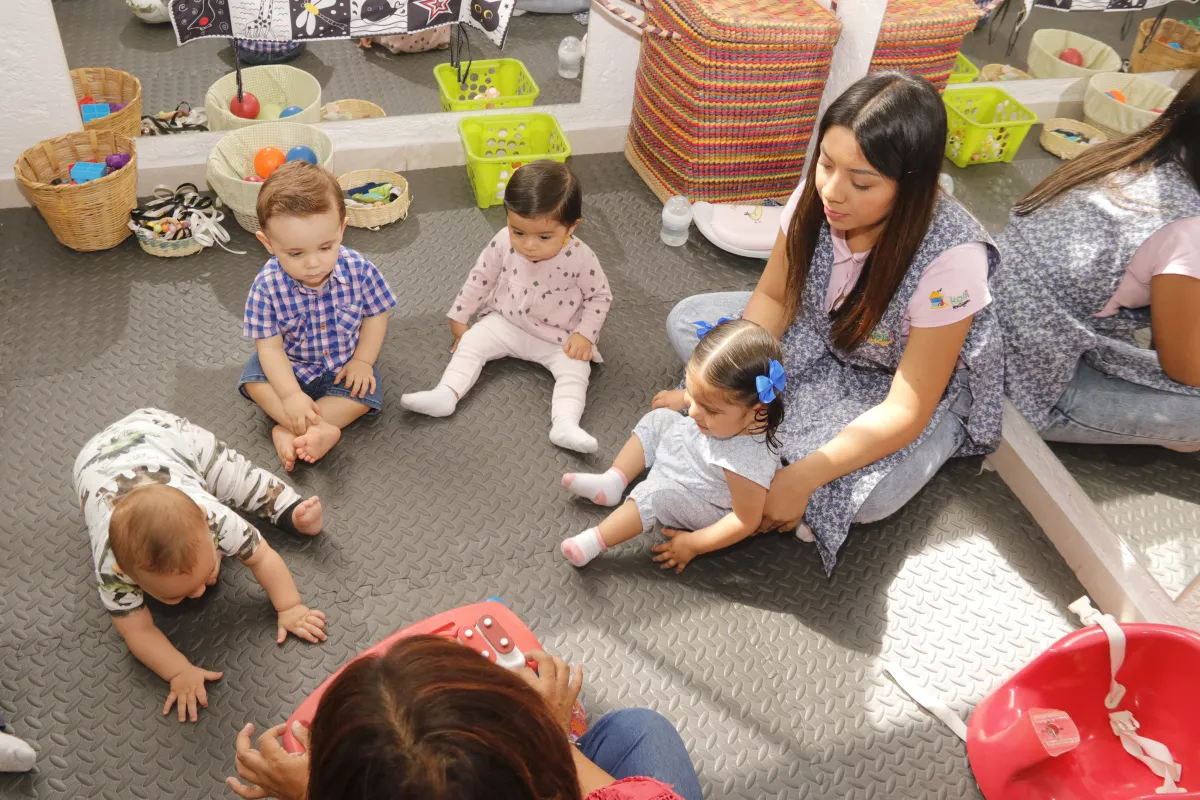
[704, 328]
[774, 381]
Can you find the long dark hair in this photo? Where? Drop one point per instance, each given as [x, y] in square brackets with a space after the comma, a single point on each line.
[1174, 136]
[434, 720]
[730, 358]
[899, 123]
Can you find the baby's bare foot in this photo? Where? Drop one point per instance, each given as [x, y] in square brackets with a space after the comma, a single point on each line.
[318, 440]
[309, 517]
[285, 446]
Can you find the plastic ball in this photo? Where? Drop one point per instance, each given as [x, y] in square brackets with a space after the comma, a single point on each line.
[247, 108]
[289, 111]
[267, 161]
[253, 179]
[302, 152]
[1116, 94]
[1071, 56]
[270, 111]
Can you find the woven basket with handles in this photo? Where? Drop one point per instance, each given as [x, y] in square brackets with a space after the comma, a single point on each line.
[233, 158]
[1063, 147]
[87, 216]
[357, 109]
[169, 248]
[1158, 57]
[1047, 43]
[379, 215]
[272, 84]
[1116, 119]
[106, 85]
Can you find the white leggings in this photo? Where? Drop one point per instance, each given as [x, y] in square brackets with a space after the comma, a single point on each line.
[495, 337]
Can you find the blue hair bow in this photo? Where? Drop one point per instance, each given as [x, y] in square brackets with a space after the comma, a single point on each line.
[774, 381]
[704, 328]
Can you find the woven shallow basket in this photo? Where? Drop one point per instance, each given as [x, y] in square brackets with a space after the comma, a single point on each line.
[991, 73]
[106, 85]
[233, 158]
[88, 216]
[1047, 43]
[1158, 57]
[380, 215]
[1116, 119]
[357, 109]
[1063, 147]
[724, 112]
[924, 37]
[169, 248]
[272, 84]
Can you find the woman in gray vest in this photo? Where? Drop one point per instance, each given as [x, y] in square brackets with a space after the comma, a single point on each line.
[1100, 258]
[877, 290]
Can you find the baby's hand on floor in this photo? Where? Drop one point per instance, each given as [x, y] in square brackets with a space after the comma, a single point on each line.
[187, 690]
[677, 552]
[578, 347]
[669, 398]
[306, 623]
[457, 329]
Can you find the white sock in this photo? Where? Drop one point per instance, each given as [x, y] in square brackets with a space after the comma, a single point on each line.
[438, 402]
[565, 433]
[804, 533]
[583, 547]
[15, 754]
[602, 488]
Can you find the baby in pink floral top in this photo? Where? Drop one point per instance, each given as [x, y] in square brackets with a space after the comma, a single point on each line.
[539, 294]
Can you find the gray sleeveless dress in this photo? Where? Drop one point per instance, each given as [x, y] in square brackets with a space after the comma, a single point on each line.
[827, 389]
[1062, 263]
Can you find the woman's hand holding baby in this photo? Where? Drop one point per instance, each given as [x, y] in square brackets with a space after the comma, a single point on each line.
[578, 347]
[306, 623]
[187, 690]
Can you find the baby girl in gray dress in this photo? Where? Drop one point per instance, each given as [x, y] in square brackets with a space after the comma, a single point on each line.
[709, 470]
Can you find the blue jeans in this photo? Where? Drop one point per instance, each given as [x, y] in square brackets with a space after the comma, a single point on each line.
[322, 386]
[898, 486]
[1099, 409]
[638, 742]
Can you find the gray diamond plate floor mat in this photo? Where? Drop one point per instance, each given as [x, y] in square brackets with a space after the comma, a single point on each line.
[103, 33]
[772, 672]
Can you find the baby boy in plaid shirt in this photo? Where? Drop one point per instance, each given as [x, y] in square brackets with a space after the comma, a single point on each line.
[317, 313]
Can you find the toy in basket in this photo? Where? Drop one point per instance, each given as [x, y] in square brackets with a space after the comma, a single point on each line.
[984, 125]
[1123, 104]
[498, 145]
[231, 162]
[1047, 46]
[1067, 138]
[275, 87]
[495, 83]
[488, 628]
[374, 197]
[108, 99]
[178, 223]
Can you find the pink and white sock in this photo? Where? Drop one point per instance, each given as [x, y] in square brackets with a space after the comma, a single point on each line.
[602, 488]
[583, 547]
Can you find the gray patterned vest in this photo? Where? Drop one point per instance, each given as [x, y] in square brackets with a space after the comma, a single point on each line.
[1062, 264]
[827, 389]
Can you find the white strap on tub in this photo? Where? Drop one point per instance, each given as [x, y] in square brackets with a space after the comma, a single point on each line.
[927, 700]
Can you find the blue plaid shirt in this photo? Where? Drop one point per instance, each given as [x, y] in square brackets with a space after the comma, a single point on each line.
[319, 326]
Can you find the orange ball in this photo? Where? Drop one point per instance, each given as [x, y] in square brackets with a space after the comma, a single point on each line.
[268, 160]
[1116, 94]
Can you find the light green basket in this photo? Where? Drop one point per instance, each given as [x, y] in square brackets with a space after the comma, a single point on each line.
[498, 145]
[964, 71]
[517, 87]
[984, 126]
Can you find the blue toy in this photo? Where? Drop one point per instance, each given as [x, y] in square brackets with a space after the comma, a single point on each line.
[84, 171]
[287, 112]
[302, 152]
[91, 111]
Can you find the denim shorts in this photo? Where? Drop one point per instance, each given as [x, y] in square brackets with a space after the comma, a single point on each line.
[322, 386]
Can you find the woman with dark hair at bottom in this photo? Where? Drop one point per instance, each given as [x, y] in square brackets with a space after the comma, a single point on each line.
[878, 291]
[432, 720]
[1106, 248]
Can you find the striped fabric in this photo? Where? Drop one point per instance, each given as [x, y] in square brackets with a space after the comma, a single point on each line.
[924, 36]
[724, 112]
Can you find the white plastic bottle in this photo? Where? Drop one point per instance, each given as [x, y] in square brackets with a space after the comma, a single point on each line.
[676, 219]
[570, 53]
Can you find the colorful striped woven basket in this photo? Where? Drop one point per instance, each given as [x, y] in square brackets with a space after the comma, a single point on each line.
[924, 36]
[726, 96]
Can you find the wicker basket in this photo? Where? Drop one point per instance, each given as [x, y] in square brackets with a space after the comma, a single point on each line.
[1063, 147]
[272, 84]
[106, 85]
[357, 109]
[923, 37]
[87, 216]
[169, 248]
[1158, 57]
[232, 159]
[376, 217]
[1047, 43]
[724, 112]
[1116, 119]
[992, 74]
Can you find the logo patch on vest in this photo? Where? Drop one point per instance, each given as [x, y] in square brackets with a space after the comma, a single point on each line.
[880, 337]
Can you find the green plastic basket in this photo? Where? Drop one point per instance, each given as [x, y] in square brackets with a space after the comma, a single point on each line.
[517, 87]
[497, 145]
[984, 126]
[964, 71]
